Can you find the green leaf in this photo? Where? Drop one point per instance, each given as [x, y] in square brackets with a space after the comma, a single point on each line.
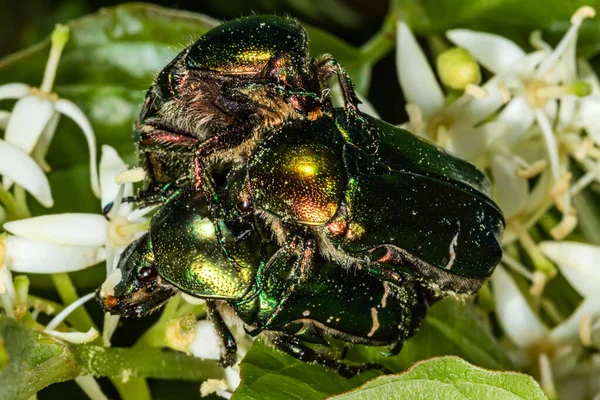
[449, 378]
[514, 19]
[108, 64]
[451, 328]
[271, 374]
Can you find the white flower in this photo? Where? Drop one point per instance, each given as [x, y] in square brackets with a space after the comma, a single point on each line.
[559, 351]
[534, 82]
[207, 346]
[74, 241]
[32, 123]
[17, 166]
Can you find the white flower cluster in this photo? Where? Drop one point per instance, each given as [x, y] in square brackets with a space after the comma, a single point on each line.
[536, 113]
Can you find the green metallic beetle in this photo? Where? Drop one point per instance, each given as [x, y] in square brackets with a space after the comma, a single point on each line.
[211, 105]
[182, 252]
[409, 205]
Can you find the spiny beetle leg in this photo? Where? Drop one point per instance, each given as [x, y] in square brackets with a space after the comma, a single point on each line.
[298, 274]
[295, 348]
[228, 343]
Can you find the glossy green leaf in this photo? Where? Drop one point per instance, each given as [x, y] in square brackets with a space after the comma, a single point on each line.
[451, 328]
[449, 378]
[270, 374]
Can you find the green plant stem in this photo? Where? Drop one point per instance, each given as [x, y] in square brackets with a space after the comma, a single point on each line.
[21, 203]
[381, 43]
[36, 360]
[9, 203]
[148, 363]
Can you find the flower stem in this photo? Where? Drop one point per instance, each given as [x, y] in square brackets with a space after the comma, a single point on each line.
[21, 203]
[9, 203]
[381, 44]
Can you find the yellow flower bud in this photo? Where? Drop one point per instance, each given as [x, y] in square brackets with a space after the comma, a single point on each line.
[457, 68]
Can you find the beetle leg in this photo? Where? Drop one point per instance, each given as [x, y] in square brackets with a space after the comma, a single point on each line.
[327, 66]
[295, 348]
[228, 343]
[298, 273]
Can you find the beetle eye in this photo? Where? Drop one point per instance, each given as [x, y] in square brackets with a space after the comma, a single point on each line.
[244, 205]
[147, 274]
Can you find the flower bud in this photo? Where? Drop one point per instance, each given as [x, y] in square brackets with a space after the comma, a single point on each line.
[457, 68]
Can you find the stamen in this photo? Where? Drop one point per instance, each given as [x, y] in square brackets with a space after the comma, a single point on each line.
[569, 38]
[517, 267]
[415, 118]
[582, 13]
[536, 41]
[533, 170]
[565, 227]
[131, 176]
[585, 180]
[551, 144]
[59, 38]
[60, 317]
[585, 331]
[581, 152]
[504, 92]
[539, 283]
[533, 251]
[546, 379]
[476, 91]
[560, 187]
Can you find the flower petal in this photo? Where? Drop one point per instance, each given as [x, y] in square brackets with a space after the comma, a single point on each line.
[17, 166]
[29, 117]
[32, 256]
[13, 91]
[539, 193]
[206, 344]
[511, 192]
[494, 52]
[75, 337]
[41, 148]
[519, 116]
[589, 116]
[71, 229]
[68, 108]
[4, 116]
[417, 80]
[578, 262]
[516, 318]
[110, 166]
[568, 331]
[476, 110]
[91, 387]
[472, 144]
